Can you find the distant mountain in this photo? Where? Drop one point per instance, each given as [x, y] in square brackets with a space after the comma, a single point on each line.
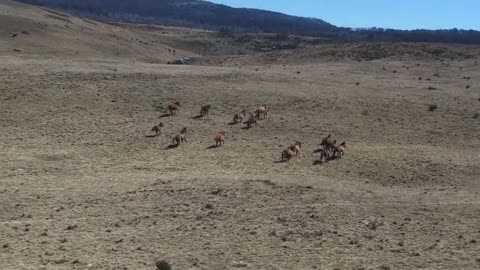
[190, 13]
[207, 15]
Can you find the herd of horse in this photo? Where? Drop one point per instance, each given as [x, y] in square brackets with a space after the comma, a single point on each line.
[329, 149]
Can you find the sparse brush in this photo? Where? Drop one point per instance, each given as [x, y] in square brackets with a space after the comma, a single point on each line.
[476, 115]
[225, 33]
[468, 87]
[163, 265]
[432, 107]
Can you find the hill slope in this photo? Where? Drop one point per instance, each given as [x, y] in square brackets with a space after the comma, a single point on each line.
[31, 30]
[206, 15]
[191, 13]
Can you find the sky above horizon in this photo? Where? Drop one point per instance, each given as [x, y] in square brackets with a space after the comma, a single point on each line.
[397, 14]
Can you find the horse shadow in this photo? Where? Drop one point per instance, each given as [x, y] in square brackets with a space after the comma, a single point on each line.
[247, 127]
[172, 146]
[165, 115]
[318, 162]
[213, 146]
[152, 136]
[198, 116]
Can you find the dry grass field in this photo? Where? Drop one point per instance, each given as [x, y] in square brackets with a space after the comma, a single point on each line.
[83, 185]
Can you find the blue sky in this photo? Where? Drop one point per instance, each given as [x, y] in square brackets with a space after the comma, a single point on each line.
[398, 14]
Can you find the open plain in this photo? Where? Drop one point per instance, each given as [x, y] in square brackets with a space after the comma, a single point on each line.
[83, 185]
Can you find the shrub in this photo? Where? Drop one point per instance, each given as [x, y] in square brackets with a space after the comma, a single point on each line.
[225, 32]
[432, 107]
[163, 265]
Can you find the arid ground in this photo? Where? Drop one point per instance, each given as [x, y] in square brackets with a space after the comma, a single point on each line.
[83, 185]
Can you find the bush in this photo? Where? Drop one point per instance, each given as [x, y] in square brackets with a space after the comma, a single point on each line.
[225, 32]
[432, 107]
[163, 265]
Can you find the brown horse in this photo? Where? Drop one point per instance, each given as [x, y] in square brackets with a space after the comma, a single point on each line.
[327, 140]
[328, 143]
[262, 110]
[287, 154]
[339, 150]
[238, 118]
[295, 148]
[157, 129]
[173, 108]
[252, 121]
[180, 138]
[205, 110]
[220, 139]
